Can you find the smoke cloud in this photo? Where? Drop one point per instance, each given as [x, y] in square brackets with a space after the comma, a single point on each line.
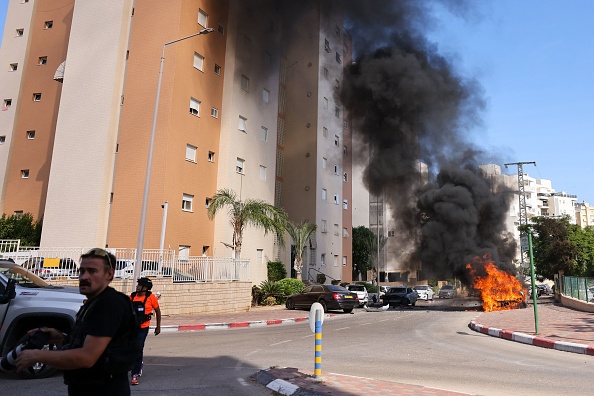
[409, 107]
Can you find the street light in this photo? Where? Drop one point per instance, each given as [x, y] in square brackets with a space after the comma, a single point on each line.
[147, 180]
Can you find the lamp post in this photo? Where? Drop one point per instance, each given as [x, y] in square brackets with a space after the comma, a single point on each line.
[147, 180]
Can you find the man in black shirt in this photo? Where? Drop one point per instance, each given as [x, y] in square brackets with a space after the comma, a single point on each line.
[93, 355]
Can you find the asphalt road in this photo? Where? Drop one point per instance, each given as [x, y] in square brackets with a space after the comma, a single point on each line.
[433, 348]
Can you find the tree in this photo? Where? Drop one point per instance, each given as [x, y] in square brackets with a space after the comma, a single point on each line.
[364, 241]
[22, 227]
[555, 247]
[254, 212]
[300, 234]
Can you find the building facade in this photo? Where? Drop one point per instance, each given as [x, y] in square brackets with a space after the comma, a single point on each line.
[239, 108]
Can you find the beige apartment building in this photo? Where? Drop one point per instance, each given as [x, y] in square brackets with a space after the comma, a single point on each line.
[239, 108]
[584, 214]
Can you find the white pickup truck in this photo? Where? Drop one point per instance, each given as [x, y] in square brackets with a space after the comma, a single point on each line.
[28, 302]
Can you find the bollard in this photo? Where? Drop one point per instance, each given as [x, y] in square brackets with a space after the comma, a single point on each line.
[316, 318]
[318, 348]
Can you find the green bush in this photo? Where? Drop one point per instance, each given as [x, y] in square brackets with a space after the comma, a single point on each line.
[271, 289]
[291, 286]
[321, 279]
[276, 271]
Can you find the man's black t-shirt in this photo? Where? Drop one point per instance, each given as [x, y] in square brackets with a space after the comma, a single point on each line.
[107, 315]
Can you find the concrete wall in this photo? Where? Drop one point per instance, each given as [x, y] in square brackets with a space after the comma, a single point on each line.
[190, 298]
[574, 303]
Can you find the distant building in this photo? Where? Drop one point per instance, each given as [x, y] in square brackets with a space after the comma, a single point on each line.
[584, 214]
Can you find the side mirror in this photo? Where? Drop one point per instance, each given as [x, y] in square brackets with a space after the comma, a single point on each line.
[9, 293]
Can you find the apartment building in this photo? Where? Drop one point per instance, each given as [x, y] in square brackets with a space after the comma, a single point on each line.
[584, 214]
[239, 108]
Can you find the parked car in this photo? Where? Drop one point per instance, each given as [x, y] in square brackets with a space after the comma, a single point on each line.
[425, 292]
[447, 291]
[400, 296]
[331, 297]
[49, 268]
[361, 291]
[544, 290]
[124, 269]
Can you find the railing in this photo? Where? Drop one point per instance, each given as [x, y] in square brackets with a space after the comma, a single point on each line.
[579, 288]
[310, 278]
[53, 263]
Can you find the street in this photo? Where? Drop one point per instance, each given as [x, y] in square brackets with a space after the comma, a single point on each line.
[432, 348]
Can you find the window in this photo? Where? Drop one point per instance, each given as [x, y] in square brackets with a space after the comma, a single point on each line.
[202, 18]
[391, 233]
[337, 111]
[338, 58]
[42, 60]
[7, 104]
[207, 202]
[335, 229]
[266, 96]
[190, 153]
[323, 260]
[214, 112]
[325, 103]
[327, 45]
[336, 170]
[25, 173]
[187, 202]
[239, 166]
[325, 73]
[221, 29]
[345, 204]
[345, 232]
[262, 172]
[14, 66]
[344, 150]
[324, 163]
[325, 132]
[198, 61]
[344, 261]
[49, 24]
[335, 260]
[242, 124]
[2, 139]
[324, 194]
[211, 156]
[336, 140]
[37, 97]
[183, 253]
[264, 134]
[194, 107]
[345, 177]
[336, 199]
[217, 69]
[324, 226]
[20, 32]
[245, 83]
[30, 135]
[18, 214]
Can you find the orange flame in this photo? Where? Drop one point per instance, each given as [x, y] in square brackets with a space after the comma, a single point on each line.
[498, 289]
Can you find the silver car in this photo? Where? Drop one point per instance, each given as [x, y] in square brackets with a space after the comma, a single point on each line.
[447, 291]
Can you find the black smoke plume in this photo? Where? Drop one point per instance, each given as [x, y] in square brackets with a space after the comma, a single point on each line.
[411, 111]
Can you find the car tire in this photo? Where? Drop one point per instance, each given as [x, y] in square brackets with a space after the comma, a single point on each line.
[290, 304]
[347, 310]
[324, 306]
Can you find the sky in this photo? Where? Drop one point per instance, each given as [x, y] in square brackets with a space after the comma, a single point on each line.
[535, 62]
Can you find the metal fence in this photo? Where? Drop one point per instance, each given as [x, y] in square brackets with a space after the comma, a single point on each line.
[579, 288]
[53, 263]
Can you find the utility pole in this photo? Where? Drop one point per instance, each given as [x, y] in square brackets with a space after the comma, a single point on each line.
[522, 194]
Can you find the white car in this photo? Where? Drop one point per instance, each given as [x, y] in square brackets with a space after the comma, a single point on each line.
[425, 292]
[361, 293]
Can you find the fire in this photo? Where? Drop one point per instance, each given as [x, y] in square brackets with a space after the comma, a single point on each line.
[499, 290]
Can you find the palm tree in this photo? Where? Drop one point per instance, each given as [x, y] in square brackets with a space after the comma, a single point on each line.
[301, 234]
[253, 212]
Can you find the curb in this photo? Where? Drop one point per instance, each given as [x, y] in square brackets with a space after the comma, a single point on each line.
[283, 387]
[532, 340]
[233, 325]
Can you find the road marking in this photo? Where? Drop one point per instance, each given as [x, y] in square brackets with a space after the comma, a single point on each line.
[243, 382]
[307, 336]
[239, 364]
[282, 342]
[342, 328]
[365, 324]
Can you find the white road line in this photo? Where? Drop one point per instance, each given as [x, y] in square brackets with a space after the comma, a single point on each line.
[342, 328]
[243, 382]
[365, 324]
[307, 336]
[278, 343]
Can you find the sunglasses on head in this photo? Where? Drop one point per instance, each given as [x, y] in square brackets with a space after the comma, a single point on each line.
[100, 253]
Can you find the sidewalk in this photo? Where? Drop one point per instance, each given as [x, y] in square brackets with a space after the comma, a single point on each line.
[559, 328]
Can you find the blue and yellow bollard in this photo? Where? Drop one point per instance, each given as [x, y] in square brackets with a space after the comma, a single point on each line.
[318, 353]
